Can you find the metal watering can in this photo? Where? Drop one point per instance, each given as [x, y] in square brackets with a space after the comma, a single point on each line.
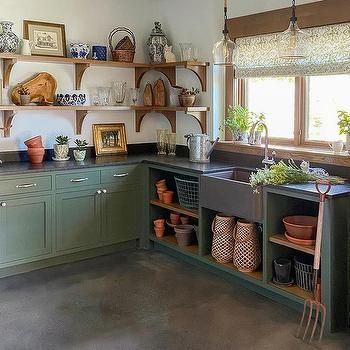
[200, 147]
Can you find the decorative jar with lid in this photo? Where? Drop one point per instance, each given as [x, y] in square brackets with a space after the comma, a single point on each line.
[156, 43]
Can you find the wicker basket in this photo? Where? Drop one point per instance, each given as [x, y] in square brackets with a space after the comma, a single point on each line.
[304, 272]
[187, 192]
[223, 243]
[124, 51]
[247, 253]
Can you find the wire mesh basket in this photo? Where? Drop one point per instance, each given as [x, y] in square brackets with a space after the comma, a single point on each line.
[187, 192]
[304, 272]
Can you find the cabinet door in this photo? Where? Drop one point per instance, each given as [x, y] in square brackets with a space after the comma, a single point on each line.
[121, 214]
[25, 228]
[78, 219]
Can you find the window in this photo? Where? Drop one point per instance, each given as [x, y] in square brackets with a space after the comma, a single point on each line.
[303, 110]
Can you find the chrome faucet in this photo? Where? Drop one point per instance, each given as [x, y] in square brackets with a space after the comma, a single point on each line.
[267, 160]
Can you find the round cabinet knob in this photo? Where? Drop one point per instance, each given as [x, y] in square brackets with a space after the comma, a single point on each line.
[104, 191]
[98, 191]
[3, 204]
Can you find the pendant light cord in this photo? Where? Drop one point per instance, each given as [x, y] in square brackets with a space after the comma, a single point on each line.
[225, 31]
[294, 18]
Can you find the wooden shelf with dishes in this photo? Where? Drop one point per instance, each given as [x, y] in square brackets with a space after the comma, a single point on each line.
[282, 240]
[171, 242]
[80, 66]
[176, 208]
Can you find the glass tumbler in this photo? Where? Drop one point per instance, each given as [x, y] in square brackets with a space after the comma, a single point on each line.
[161, 141]
[119, 88]
[186, 51]
[171, 143]
[104, 95]
[134, 95]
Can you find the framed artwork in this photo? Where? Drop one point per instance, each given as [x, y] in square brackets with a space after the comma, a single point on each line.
[109, 139]
[49, 39]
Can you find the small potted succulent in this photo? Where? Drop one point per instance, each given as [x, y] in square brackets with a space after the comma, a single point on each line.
[344, 126]
[24, 95]
[187, 97]
[238, 121]
[61, 147]
[80, 150]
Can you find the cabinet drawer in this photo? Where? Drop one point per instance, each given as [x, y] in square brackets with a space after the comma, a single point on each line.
[25, 185]
[75, 180]
[119, 174]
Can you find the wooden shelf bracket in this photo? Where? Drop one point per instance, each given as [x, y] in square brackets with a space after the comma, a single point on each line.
[80, 69]
[170, 115]
[7, 118]
[7, 65]
[201, 72]
[169, 72]
[201, 118]
[79, 120]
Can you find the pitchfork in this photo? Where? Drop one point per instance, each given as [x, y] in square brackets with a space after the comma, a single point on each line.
[314, 305]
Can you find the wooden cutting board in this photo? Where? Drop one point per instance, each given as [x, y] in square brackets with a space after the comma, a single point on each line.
[159, 94]
[148, 95]
[42, 89]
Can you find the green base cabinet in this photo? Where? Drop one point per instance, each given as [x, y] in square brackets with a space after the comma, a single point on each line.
[26, 226]
[77, 219]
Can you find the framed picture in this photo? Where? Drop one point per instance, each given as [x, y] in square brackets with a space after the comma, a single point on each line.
[49, 39]
[109, 139]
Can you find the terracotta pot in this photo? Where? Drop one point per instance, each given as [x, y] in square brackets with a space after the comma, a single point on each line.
[161, 183]
[168, 197]
[175, 218]
[187, 101]
[160, 223]
[160, 195]
[34, 142]
[159, 231]
[36, 155]
[185, 220]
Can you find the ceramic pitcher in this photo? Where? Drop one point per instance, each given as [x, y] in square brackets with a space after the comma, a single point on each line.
[26, 47]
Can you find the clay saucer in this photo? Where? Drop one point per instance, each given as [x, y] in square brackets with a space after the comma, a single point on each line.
[304, 242]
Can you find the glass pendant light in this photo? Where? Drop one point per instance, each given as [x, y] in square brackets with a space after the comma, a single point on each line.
[292, 41]
[224, 50]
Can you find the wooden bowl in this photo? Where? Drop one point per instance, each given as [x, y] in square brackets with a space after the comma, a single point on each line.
[301, 227]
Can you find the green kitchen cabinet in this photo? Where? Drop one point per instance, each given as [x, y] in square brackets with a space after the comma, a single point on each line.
[26, 228]
[121, 214]
[78, 217]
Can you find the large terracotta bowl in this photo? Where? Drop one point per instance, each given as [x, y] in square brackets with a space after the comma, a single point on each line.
[301, 226]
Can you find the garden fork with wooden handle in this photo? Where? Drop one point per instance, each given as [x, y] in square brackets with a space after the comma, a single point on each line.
[314, 305]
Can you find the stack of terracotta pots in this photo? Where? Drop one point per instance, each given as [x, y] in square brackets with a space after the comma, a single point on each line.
[159, 227]
[36, 150]
[163, 193]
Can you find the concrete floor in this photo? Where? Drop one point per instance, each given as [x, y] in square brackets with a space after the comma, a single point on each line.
[141, 300]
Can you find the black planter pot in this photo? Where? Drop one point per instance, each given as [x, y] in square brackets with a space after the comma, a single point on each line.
[283, 269]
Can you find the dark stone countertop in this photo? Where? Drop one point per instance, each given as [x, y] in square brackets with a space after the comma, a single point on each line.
[180, 163]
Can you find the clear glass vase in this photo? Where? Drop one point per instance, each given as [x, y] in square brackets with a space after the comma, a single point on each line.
[171, 143]
[162, 141]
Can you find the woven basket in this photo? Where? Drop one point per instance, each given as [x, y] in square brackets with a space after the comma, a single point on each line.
[222, 247]
[247, 253]
[125, 48]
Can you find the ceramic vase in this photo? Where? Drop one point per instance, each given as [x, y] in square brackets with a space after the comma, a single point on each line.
[9, 41]
[156, 44]
[61, 151]
[187, 100]
[79, 155]
[25, 99]
[79, 50]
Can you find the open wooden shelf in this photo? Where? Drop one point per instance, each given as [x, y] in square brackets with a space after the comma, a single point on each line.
[258, 275]
[170, 241]
[295, 290]
[176, 207]
[282, 240]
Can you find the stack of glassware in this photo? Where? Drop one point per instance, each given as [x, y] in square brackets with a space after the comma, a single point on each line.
[166, 142]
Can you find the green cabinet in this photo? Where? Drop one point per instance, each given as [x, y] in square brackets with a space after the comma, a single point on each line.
[121, 219]
[78, 216]
[26, 226]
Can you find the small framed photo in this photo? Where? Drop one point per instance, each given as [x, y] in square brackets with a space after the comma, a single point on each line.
[49, 39]
[109, 139]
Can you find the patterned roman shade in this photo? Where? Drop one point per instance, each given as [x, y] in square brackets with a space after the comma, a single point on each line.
[328, 52]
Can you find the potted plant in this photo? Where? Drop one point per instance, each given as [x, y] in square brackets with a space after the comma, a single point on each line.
[24, 95]
[258, 133]
[80, 151]
[344, 126]
[238, 121]
[61, 148]
[187, 97]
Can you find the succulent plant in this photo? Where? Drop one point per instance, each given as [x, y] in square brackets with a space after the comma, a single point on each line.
[189, 92]
[23, 91]
[81, 144]
[62, 140]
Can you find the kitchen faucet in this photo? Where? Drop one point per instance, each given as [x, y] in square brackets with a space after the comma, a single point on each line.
[267, 160]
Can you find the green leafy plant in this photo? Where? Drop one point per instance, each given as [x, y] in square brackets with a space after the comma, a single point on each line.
[239, 119]
[344, 123]
[259, 117]
[62, 140]
[282, 174]
[81, 144]
[189, 92]
[23, 90]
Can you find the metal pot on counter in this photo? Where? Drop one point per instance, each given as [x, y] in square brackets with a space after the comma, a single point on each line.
[200, 147]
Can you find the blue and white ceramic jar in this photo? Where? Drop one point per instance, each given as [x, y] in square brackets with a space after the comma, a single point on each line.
[79, 50]
[156, 43]
[9, 41]
[99, 52]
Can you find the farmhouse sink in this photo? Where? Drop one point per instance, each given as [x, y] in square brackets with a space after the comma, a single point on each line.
[229, 192]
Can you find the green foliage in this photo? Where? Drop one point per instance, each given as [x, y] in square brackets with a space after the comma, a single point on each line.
[259, 118]
[238, 119]
[344, 123]
[189, 92]
[23, 91]
[81, 144]
[62, 140]
[282, 174]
